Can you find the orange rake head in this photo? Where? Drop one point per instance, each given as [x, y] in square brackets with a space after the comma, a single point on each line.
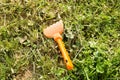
[54, 30]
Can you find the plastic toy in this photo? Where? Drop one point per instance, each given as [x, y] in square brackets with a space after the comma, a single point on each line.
[55, 31]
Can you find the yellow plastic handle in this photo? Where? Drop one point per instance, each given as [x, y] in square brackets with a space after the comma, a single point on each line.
[65, 55]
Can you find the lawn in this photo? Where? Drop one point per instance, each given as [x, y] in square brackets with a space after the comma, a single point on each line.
[91, 36]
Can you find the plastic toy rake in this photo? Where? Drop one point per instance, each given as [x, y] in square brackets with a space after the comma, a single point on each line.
[55, 31]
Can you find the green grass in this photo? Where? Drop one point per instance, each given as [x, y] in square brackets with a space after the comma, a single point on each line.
[91, 36]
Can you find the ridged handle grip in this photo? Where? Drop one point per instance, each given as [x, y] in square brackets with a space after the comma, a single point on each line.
[65, 55]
